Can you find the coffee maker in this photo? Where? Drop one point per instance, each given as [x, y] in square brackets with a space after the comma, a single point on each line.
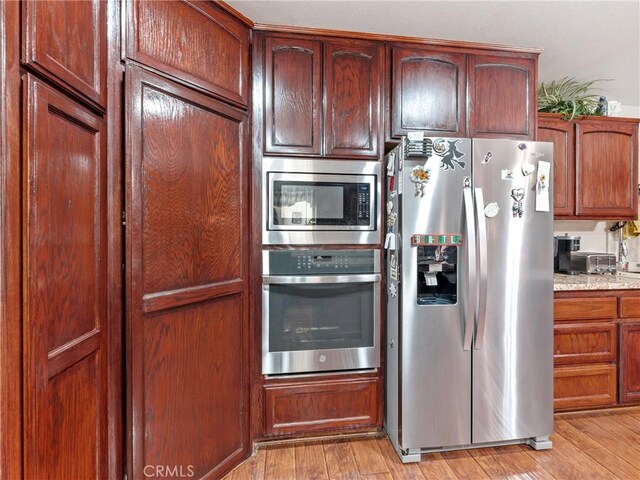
[563, 245]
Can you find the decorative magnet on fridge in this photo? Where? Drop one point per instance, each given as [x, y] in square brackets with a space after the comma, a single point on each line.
[393, 290]
[420, 176]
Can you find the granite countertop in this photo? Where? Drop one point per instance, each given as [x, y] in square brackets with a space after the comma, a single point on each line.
[622, 281]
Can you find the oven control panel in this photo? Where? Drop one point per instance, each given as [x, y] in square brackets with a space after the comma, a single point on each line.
[320, 262]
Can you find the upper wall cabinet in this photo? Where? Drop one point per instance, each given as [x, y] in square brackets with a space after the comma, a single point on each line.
[293, 95]
[67, 42]
[428, 91]
[322, 97]
[595, 166]
[449, 92]
[197, 42]
[502, 96]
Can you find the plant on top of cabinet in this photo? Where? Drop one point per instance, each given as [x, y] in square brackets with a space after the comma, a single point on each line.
[568, 97]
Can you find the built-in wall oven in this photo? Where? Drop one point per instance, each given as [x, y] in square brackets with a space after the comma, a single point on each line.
[320, 202]
[321, 310]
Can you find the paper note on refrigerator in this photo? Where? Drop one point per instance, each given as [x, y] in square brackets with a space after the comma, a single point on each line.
[542, 187]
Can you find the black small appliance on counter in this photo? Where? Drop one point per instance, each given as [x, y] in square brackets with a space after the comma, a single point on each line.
[563, 246]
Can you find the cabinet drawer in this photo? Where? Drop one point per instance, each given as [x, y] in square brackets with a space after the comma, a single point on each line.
[584, 343]
[585, 308]
[584, 386]
[629, 307]
[321, 406]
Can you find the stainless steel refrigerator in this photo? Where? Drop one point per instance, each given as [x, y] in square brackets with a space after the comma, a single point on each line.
[469, 286]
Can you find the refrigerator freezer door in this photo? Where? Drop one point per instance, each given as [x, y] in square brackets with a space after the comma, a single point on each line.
[435, 402]
[513, 361]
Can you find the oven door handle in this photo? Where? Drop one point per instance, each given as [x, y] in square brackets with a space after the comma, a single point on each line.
[316, 279]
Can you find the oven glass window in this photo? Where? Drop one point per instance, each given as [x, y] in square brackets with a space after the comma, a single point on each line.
[320, 316]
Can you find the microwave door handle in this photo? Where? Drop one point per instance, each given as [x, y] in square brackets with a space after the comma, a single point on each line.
[317, 279]
[470, 241]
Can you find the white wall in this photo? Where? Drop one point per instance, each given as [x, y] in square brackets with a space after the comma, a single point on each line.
[595, 235]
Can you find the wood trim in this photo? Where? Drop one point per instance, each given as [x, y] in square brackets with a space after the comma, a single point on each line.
[115, 260]
[589, 118]
[322, 32]
[235, 13]
[174, 298]
[10, 245]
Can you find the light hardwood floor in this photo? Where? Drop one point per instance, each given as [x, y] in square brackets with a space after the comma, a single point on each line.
[590, 445]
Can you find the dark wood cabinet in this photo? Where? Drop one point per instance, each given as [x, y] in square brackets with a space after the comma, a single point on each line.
[596, 349]
[67, 41]
[352, 85]
[293, 95]
[322, 97]
[428, 91]
[629, 367]
[562, 135]
[606, 169]
[325, 404]
[196, 42]
[186, 276]
[502, 96]
[65, 290]
[595, 166]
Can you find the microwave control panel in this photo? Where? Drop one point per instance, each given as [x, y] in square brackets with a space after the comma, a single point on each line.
[320, 262]
[363, 203]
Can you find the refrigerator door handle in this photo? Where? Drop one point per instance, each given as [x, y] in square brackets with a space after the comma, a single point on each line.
[471, 274]
[482, 270]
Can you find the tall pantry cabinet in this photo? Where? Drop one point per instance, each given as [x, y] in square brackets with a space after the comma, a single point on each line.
[60, 241]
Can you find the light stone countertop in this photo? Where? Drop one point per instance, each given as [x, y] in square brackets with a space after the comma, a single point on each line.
[622, 281]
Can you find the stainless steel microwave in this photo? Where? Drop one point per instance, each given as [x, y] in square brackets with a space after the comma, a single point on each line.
[311, 202]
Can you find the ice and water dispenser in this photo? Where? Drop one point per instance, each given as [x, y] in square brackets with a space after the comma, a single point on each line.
[437, 274]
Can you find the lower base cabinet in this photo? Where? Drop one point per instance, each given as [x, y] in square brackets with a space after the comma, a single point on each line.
[303, 406]
[584, 387]
[629, 377]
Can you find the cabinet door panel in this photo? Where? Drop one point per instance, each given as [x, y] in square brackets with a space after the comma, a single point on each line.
[293, 96]
[65, 294]
[606, 169]
[67, 41]
[194, 41]
[428, 92]
[579, 309]
[629, 368]
[584, 343]
[352, 83]
[186, 275]
[561, 134]
[584, 386]
[502, 96]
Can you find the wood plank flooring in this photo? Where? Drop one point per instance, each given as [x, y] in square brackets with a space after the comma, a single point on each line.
[586, 445]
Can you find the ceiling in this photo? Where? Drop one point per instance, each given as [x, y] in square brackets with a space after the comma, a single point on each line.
[584, 39]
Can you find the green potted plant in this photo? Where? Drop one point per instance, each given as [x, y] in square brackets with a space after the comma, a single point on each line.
[568, 97]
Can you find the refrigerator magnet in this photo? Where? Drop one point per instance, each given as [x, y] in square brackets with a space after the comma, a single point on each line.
[452, 155]
[420, 175]
[393, 290]
[491, 210]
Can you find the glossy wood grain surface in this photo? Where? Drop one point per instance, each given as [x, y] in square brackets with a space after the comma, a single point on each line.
[11, 355]
[187, 278]
[67, 41]
[629, 307]
[579, 309]
[293, 95]
[584, 386]
[65, 286]
[195, 41]
[597, 445]
[305, 407]
[428, 91]
[562, 135]
[352, 95]
[629, 368]
[606, 169]
[590, 342]
[502, 96]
